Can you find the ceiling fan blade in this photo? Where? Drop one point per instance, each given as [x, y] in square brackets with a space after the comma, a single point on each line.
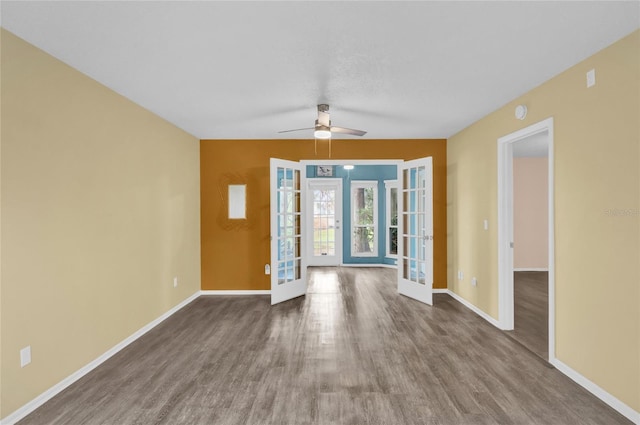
[297, 129]
[351, 131]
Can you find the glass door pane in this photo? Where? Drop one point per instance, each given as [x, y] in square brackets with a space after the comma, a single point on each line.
[415, 271]
[287, 264]
[324, 221]
[288, 218]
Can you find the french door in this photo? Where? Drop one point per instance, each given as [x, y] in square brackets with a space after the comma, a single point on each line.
[415, 225]
[288, 250]
[324, 208]
[288, 273]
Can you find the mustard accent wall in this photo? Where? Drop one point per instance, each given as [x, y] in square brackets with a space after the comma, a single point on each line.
[100, 210]
[597, 213]
[234, 254]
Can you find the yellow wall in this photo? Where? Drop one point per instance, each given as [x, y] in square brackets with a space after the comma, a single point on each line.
[597, 162]
[234, 255]
[100, 210]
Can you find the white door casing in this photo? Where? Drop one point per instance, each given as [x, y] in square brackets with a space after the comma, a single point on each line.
[505, 227]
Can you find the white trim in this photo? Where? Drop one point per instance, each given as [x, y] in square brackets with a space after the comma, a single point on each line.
[552, 237]
[365, 184]
[236, 292]
[596, 390]
[579, 379]
[505, 235]
[306, 162]
[60, 386]
[473, 308]
[531, 269]
[388, 186]
[323, 181]
[505, 227]
[29, 407]
[388, 266]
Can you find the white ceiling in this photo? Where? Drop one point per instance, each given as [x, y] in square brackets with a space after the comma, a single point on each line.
[248, 69]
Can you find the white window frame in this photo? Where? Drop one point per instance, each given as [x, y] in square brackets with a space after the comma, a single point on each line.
[357, 184]
[388, 185]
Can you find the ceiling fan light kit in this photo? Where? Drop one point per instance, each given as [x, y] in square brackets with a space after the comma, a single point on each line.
[322, 132]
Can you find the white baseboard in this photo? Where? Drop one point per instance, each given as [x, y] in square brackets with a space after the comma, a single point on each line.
[473, 308]
[237, 292]
[590, 386]
[60, 386]
[19, 414]
[530, 269]
[596, 390]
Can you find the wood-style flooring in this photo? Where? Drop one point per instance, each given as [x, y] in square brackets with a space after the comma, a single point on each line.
[531, 311]
[352, 351]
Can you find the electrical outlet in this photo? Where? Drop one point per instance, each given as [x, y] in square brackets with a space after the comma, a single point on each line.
[460, 275]
[486, 224]
[267, 269]
[474, 281]
[175, 282]
[25, 356]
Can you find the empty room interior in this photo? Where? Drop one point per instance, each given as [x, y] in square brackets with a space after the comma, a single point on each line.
[320, 212]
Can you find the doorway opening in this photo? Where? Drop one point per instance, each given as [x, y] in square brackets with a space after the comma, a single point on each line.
[525, 237]
[306, 221]
[530, 247]
[345, 212]
[324, 206]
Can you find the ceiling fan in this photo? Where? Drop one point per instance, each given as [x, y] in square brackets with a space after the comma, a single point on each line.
[323, 128]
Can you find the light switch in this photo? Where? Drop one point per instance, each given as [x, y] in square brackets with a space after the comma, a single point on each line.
[25, 356]
[486, 224]
[591, 78]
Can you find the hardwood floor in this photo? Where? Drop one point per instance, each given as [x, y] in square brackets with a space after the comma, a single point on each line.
[352, 351]
[531, 311]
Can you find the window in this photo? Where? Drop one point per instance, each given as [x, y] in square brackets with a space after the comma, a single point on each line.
[391, 189]
[364, 218]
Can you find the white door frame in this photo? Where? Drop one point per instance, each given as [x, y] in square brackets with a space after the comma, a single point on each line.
[505, 227]
[312, 183]
[338, 162]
